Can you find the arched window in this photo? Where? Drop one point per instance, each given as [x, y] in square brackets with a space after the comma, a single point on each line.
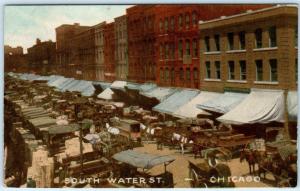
[166, 51]
[180, 50]
[172, 24]
[188, 74]
[181, 74]
[187, 47]
[161, 54]
[172, 75]
[187, 20]
[161, 74]
[160, 25]
[195, 48]
[180, 23]
[166, 24]
[166, 74]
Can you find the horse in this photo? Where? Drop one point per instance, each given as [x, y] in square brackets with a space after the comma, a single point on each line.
[250, 157]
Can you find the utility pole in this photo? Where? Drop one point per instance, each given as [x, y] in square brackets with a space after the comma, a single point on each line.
[286, 132]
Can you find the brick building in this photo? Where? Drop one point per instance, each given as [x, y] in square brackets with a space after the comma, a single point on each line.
[14, 59]
[121, 50]
[256, 49]
[109, 52]
[41, 57]
[64, 46]
[177, 38]
[141, 43]
[99, 50]
[83, 63]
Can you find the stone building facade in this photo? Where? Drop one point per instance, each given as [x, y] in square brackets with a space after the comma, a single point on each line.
[121, 49]
[256, 49]
[15, 60]
[41, 57]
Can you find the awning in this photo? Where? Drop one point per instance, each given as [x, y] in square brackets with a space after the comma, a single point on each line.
[107, 94]
[142, 160]
[223, 103]
[175, 101]
[118, 85]
[101, 85]
[292, 103]
[190, 110]
[260, 106]
[159, 93]
[133, 86]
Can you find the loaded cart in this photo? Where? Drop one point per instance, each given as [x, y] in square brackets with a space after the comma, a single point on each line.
[131, 169]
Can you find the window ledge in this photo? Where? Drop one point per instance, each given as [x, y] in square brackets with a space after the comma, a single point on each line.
[212, 52]
[267, 48]
[235, 51]
[237, 81]
[212, 80]
[266, 82]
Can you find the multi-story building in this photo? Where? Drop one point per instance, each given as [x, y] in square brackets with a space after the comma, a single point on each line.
[41, 56]
[64, 46]
[109, 52]
[99, 50]
[121, 51]
[141, 43]
[83, 54]
[177, 39]
[14, 59]
[255, 49]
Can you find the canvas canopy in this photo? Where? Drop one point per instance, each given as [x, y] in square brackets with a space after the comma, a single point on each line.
[107, 94]
[102, 85]
[190, 110]
[159, 93]
[175, 101]
[223, 103]
[142, 160]
[118, 85]
[260, 106]
[292, 103]
[133, 86]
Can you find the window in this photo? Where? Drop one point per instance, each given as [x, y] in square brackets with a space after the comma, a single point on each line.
[166, 24]
[180, 21]
[160, 25]
[187, 47]
[258, 38]
[259, 70]
[272, 36]
[195, 74]
[242, 40]
[231, 70]
[230, 41]
[194, 18]
[188, 74]
[161, 74]
[172, 48]
[243, 72]
[181, 77]
[218, 69]
[180, 50]
[161, 51]
[207, 65]
[195, 48]
[273, 70]
[187, 21]
[217, 42]
[172, 24]
[296, 36]
[172, 75]
[166, 74]
[166, 51]
[206, 39]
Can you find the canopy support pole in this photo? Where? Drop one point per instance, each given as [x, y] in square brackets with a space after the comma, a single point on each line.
[286, 133]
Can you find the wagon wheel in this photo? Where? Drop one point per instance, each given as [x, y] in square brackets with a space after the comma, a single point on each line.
[195, 180]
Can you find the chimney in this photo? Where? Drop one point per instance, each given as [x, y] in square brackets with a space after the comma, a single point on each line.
[38, 41]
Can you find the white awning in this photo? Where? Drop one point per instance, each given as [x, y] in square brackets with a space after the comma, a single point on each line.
[107, 94]
[190, 110]
[292, 103]
[223, 103]
[260, 106]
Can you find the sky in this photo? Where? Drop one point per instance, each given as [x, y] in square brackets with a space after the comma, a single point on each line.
[23, 24]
